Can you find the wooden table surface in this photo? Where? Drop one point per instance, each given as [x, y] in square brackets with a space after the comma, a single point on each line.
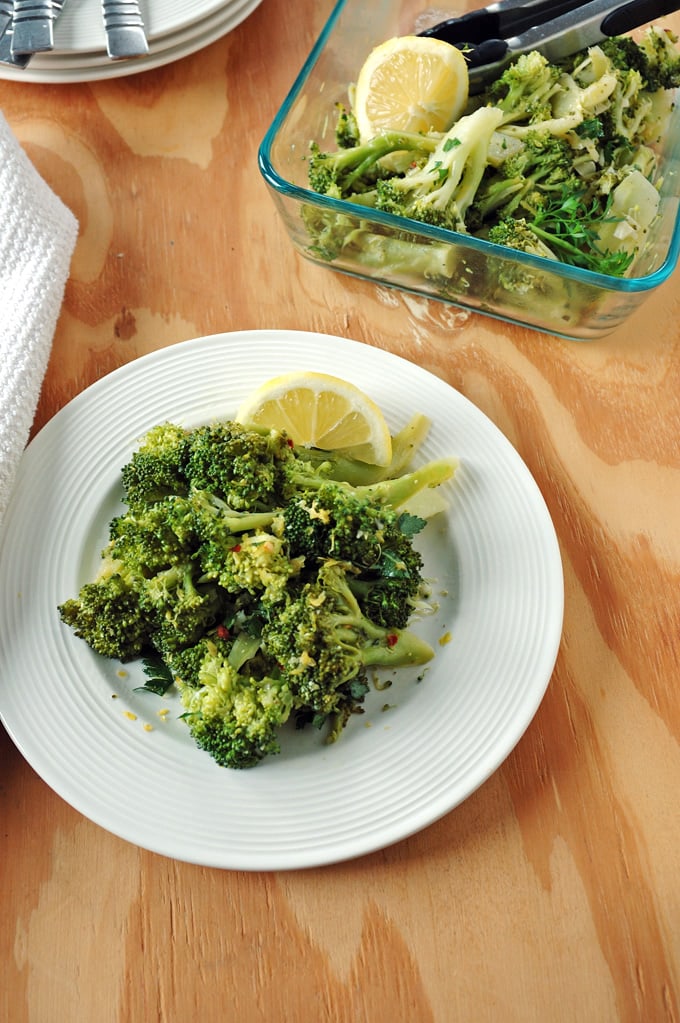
[552, 893]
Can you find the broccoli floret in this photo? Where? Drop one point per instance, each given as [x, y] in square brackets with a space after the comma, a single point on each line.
[346, 172]
[157, 468]
[239, 550]
[233, 715]
[346, 128]
[322, 641]
[179, 607]
[259, 564]
[516, 233]
[386, 590]
[361, 528]
[386, 602]
[239, 464]
[564, 99]
[654, 57]
[212, 517]
[541, 166]
[185, 663]
[154, 537]
[108, 614]
[373, 538]
[335, 522]
[525, 89]
[440, 191]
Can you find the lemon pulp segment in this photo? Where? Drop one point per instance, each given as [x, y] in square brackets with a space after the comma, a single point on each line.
[411, 83]
[322, 411]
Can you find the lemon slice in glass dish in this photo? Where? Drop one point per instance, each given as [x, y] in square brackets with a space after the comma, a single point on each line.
[321, 411]
[410, 83]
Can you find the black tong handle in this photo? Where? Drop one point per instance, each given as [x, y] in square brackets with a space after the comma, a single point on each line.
[495, 35]
[499, 21]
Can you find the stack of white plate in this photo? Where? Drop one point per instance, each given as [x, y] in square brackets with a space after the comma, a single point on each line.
[174, 28]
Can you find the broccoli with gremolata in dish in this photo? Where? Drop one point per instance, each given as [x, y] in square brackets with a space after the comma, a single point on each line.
[556, 159]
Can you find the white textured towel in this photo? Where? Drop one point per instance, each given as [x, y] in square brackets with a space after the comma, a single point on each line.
[37, 237]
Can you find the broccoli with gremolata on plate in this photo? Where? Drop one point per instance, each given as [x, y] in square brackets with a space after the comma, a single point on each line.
[258, 581]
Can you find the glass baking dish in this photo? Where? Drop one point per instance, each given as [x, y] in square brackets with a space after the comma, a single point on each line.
[475, 274]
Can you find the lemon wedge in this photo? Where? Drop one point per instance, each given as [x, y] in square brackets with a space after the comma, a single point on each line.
[321, 411]
[411, 83]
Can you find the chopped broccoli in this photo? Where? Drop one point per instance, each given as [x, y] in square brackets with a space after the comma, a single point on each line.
[524, 91]
[440, 191]
[260, 565]
[346, 128]
[152, 537]
[157, 468]
[654, 57]
[211, 579]
[233, 715]
[108, 614]
[541, 137]
[356, 169]
[516, 233]
[321, 641]
[542, 166]
[372, 539]
[239, 464]
[386, 591]
[179, 607]
[573, 98]
[335, 522]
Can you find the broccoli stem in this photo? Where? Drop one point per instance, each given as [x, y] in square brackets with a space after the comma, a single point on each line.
[345, 469]
[243, 648]
[399, 255]
[347, 167]
[404, 648]
[395, 492]
[235, 521]
[387, 647]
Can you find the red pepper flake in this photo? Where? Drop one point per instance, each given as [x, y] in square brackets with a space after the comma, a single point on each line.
[236, 548]
[289, 442]
[392, 639]
[222, 632]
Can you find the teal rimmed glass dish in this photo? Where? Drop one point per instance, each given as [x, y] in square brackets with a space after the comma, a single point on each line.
[468, 272]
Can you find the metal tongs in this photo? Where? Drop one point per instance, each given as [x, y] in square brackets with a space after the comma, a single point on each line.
[494, 36]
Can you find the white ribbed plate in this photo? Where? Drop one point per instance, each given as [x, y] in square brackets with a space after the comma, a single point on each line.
[393, 771]
[73, 64]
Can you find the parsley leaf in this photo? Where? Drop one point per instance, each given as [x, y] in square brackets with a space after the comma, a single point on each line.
[159, 677]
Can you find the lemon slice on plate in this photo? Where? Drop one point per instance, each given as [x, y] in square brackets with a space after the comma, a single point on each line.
[321, 411]
[411, 83]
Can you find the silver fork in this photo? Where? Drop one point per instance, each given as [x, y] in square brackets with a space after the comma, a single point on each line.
[6, 15]
[6, 55]
[18, 51]
[32, 27]
[124, 25]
